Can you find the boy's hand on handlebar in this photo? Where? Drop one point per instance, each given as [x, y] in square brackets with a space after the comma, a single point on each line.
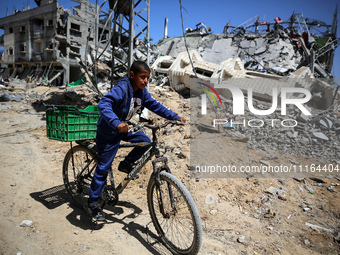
[123, 127]
[182, 120]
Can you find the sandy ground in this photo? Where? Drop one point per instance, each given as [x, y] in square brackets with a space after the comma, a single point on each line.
[32, 189]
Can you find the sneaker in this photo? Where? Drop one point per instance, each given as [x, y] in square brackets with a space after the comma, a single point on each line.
[95, 211]
[124, 167]
[127, 168]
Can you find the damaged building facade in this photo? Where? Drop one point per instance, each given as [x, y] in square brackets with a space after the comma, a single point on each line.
[43, 43]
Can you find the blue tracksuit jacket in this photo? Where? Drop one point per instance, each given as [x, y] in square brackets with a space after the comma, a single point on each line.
[121, 103]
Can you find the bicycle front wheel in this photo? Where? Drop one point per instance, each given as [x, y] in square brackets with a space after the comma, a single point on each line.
[78, 169]
[174, 214]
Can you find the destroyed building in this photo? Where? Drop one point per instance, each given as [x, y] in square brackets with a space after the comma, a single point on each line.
[263, 54]
[43, 43]
[277, 48]
[51, 45]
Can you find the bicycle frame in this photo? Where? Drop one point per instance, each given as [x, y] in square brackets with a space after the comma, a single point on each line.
[154, 150]
[145, 158]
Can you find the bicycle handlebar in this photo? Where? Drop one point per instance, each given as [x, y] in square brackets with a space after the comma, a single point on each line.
[154, 127]
[164, 125]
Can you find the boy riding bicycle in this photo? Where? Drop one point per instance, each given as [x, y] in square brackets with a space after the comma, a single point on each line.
[116, 108]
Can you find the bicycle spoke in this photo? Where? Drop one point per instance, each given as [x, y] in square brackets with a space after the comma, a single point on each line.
[176, 224]
[78, 169]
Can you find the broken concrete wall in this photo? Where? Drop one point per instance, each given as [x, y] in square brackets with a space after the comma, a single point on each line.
[258, 52]
[181, 71]
[162, 66]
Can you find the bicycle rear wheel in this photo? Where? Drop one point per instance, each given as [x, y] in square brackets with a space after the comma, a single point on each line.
[78, 173]
[179, 225]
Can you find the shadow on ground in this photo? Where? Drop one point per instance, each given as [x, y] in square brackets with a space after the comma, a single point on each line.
[51, 198]
[146, 235]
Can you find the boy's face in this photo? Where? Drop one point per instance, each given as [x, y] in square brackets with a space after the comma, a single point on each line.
[139, 80]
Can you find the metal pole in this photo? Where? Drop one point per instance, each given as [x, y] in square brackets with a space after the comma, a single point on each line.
[312, 60]
[148, 36]
[113, 42]
[96, 44]
[145, 112]
[120, 28]
[165, 28]
[132, 32]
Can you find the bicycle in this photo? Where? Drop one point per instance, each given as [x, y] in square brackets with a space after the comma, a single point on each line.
[170, 204]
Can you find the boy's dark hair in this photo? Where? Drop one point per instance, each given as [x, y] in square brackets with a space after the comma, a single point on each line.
[138, 66]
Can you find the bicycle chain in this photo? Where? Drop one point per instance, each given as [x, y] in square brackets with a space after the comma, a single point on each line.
[110, 195]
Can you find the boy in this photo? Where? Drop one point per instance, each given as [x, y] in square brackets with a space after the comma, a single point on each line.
[117, 107]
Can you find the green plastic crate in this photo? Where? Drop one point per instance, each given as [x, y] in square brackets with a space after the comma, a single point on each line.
[67, 123]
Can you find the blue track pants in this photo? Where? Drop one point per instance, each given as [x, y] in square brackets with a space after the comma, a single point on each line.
[107, 147]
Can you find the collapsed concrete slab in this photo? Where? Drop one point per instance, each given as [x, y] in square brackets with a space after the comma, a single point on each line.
[183, 74]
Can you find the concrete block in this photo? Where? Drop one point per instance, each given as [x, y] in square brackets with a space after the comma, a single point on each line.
[245, 44]
[321, 136]
[162, 65]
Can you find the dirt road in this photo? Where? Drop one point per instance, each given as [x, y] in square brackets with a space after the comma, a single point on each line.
[239, 216]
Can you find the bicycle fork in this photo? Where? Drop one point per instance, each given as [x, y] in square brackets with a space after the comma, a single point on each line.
[157, 171]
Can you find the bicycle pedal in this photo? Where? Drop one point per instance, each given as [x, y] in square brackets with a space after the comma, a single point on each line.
[99, 221]
[95, 218]
[136, 177]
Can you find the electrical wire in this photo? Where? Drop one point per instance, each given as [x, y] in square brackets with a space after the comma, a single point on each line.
[96, 45]
[185, 41]
[192, 64]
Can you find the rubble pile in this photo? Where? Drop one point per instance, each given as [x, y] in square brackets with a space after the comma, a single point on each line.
[283, 47]
[264, 60]
[140, 52]
[316, 136]
[273, 52]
